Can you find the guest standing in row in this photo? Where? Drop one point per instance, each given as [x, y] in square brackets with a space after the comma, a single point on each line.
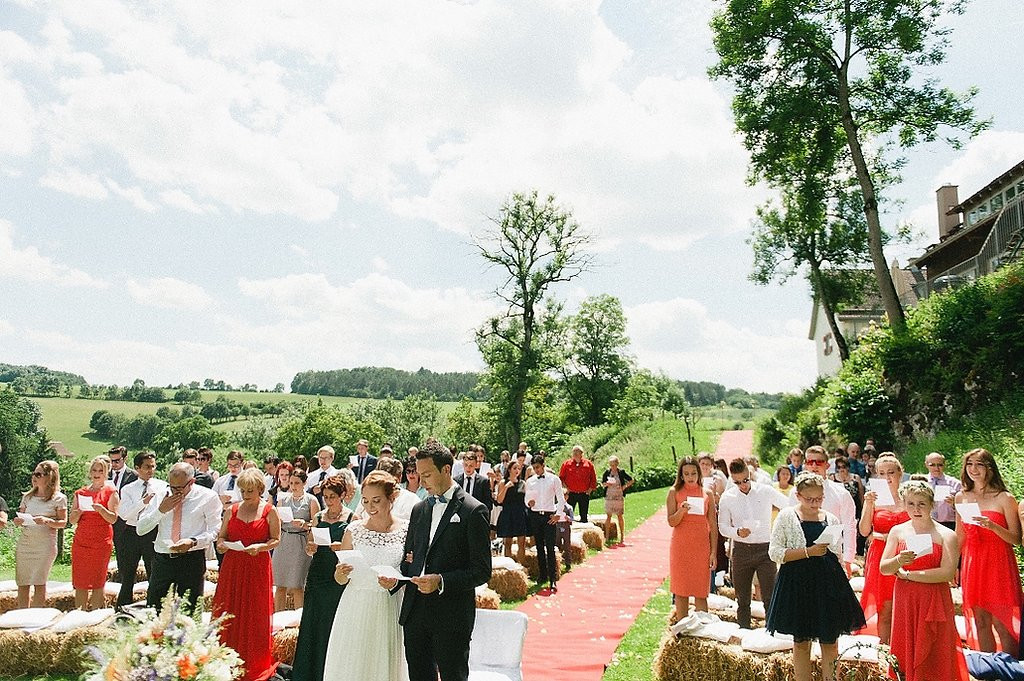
[837, 502]
[943, 512]
[579, 477]
[94, 538]
[544, 497]
[514, 519]
[694, 550]
[875, 523]
[615, 482]
[290, 561]
[318, 614]
[37, 545]
[135, 497]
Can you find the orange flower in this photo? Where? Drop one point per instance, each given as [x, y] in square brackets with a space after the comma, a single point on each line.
[186, 667]
[203, 659]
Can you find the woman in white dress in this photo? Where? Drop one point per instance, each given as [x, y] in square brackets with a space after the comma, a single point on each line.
[366, 639]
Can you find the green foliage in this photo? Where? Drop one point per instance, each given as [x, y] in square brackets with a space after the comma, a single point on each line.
[466, 424]
[646, 398]
[385, 382]
[22, 442]
[194, 432]
[324, 425]
[256, 439]
[405, 423]
[653, 477]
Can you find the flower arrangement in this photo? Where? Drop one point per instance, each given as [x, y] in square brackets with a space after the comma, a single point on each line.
[165, 646]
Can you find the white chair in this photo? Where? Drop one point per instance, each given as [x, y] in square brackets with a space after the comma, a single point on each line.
[496, 649]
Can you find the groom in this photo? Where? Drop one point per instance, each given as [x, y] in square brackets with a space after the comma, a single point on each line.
[447, 555]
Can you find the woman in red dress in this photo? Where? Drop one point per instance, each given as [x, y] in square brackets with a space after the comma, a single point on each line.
[693, 552]
[244, 586]
[875, 523]
[988, 573]
[924, 636]
[94, 537]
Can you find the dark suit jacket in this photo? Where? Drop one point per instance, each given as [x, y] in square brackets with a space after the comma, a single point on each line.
[127, 475]
[481, 489]
[368, 467]
[460, 553]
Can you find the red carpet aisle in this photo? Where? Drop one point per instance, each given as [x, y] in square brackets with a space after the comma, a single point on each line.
[733, 444]
[572, 634]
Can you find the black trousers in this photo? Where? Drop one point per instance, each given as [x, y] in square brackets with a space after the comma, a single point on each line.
[130, 548]
[185, 571]
[581, 498]
[437, 643]
[544, 538]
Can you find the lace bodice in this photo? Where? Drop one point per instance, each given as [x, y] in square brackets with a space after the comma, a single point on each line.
[379, 548]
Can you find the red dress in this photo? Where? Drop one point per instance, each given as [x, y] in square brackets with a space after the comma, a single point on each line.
[93, 543]
[878, 587]
[989, 579]
[244, 590]
[690, 551]
[924, 636]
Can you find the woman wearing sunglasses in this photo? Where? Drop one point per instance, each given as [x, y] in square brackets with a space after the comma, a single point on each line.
[37, 545]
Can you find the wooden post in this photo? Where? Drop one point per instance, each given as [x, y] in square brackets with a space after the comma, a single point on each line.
[630, 462]
[674, 460]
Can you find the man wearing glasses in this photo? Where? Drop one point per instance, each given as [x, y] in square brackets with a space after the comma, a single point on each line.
[943, 512]
[745, 517]
[119, 475]
[838, 502]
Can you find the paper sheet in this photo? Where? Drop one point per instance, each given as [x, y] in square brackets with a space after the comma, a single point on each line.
[286, 515]
[352, 557]
[829, 534]
[696, 505]
[485, 469]
[968, 511]
[234, 546]
[457, 469]
[389, 572]
[708, 484]
[27, 518]
[920, 544]
[321, 536]
[941, 492]
[354, 461]
[84, 503]
[881, 488]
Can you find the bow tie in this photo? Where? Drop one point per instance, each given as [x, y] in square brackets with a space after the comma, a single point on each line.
[540, 477]
[439, 499]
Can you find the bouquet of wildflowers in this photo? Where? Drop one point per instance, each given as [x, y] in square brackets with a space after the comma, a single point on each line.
[170, 646]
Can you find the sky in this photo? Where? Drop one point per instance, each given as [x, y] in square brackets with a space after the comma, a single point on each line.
[245, 190]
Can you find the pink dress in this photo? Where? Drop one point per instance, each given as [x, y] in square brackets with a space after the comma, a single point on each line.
[690, 550]
[878, 587]
[93, 542]
[989, 579]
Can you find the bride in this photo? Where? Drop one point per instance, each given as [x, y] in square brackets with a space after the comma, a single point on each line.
[366, 639]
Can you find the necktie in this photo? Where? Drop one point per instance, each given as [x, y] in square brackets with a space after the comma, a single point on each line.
[176, 523]
[145, 487]
[469, 485]
[439, 499]
[117, 477]
[323, 474]
[231, 482]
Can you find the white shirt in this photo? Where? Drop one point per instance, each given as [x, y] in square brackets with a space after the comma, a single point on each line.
[200, 519]
[761, 476]
[131, 498]
[402, 508]
[313, 477]
[546, 492]
[752, 511]
[438, 510]
[220, 486]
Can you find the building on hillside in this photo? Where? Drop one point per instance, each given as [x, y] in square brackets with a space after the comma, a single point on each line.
[856, 319]
[976, 236]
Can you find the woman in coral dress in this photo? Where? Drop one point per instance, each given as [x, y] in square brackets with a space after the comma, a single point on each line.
[94, 537]
[924, 637]
[988, 572]
[694, 548]
[875, 523]
[244, 587]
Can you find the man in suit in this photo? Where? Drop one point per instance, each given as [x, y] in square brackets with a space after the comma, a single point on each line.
[365, 462]
[447, 555]
[474, 484]
[135, 497]
[120, 476]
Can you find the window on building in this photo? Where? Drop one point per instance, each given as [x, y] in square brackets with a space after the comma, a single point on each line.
[996, 202]
[1010, 193]
[972, 217]
[982, 211]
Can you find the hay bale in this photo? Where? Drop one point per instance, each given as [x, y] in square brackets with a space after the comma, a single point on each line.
[577, 553]
[114, 576]
[211, 576]
[727, 591]
[66, 602]
[593, 538]
[510, 585]
[533, 567]
[487, 599]
[283, 645]
[71, 658]
[43, 652]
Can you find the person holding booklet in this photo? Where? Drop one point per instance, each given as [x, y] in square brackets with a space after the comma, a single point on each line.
[923, 555]
[366, 639]
[882, 511]
[290, 561]
[989, 527]
[694, 548]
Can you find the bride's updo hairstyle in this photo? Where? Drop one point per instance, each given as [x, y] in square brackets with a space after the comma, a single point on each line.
[385, 481]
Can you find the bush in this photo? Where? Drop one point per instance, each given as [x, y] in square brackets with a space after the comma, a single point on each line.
[653, 477]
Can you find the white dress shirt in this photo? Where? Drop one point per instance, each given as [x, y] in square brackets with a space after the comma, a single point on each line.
[438, 510]
[546, 492]
[314, 477]
[131, 498]
[200, 519]
[220, 486]
[402, 508]
[752, 511]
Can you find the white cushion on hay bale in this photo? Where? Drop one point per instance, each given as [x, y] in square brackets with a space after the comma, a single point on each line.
[961, 626]
[140, 588]
[112, 588]
[862, 647]
[209, 588]
[284, 619]
[716, 602]
[29, 619]
[8, 585]
[57, 588]
[77, 619]
[857, 584]
[506, 563]
[760, 641]
[496, 648]
[757, 609]
[693, 622]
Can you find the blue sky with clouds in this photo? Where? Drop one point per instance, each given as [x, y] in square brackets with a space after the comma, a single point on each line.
[244, 190]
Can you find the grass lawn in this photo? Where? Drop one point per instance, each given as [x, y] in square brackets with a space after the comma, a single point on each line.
[634, 657]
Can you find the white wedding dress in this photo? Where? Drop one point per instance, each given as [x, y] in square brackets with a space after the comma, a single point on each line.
[366, 639]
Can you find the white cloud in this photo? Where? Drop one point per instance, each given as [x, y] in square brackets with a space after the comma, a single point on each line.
[75, 182]
[682, 338]
[171, 293]
[133, 195]
[28, 264]
[6, 328]
[179, 199]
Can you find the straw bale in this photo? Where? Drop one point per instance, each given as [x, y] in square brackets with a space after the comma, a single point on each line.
[212, 575]
[577, 553]
[593, 538]
[487, 599]
[727, 591]
[283, 646]
[71, 658]
[510, 585]
[114, 576]
[533, 568]
[43, 652]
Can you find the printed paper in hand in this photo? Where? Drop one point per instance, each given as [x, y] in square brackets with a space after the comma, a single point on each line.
[84, 503]
[234, 546]
[881, 488]
[236, 495]
[920, 544]
[285, 513]
[352, 557]
[941, 492]
[708, 484]
[968, 511]
[485, 468]
[457, 469]
[321, 536]
[529, 495]
[354, 460]
[829, 534]
[696, 505]
[27, 518]
[389, 572]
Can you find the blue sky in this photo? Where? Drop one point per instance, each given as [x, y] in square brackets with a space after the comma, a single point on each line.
[245, 190]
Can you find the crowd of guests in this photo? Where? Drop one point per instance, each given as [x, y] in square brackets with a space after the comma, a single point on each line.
[797, 534]
[276, 532]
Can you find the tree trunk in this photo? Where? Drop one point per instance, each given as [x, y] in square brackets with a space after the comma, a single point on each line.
[830, 313]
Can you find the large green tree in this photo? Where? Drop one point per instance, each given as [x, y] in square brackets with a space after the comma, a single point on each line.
[22, 443]
[852, 70]
[537, 244]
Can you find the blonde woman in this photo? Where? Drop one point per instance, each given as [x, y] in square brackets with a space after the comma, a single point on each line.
[37, 545]
[94, 510]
